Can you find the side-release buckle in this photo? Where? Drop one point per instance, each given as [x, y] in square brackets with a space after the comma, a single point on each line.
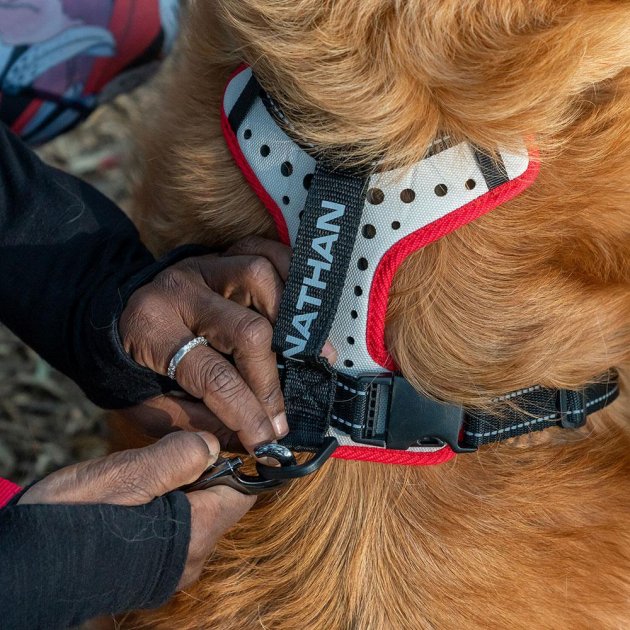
[399, 417]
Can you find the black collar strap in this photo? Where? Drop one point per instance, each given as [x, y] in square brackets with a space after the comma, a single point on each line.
[385, 411]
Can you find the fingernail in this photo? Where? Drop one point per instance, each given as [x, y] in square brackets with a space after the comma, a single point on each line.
[211, 443]
[280, 425]
[329, 352]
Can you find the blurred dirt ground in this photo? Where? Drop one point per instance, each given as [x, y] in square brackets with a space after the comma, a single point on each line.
[45, 421]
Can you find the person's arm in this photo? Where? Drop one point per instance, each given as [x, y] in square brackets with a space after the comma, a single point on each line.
[65, 252]
[93, 539]
[70, 260]
[63, 564]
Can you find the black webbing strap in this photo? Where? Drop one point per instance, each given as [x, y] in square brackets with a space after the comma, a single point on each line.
[319, 265]
[492, 168]
[535, 409]
[243, 103]
[385, 410]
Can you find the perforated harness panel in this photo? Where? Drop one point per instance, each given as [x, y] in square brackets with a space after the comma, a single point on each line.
[399, 204]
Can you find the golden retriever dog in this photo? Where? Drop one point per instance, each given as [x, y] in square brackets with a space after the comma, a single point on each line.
[533, 532]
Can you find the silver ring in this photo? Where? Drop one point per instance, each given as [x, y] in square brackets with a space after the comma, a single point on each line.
[182, 352]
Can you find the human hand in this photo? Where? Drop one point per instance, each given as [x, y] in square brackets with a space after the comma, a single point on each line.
[214, 297]
[136, 477]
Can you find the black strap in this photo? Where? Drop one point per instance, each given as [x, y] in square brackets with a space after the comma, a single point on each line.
[319, 265]
[492, 168]
[243, 103]
[537, 408]
[385, 411]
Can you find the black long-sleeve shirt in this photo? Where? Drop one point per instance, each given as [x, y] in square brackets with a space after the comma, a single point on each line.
[68, 259]
[63, 564]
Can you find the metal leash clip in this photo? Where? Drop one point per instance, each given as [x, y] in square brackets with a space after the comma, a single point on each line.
[225, 472]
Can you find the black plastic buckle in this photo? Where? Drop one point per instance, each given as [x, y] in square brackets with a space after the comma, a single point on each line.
[572, 418]
[399, 417]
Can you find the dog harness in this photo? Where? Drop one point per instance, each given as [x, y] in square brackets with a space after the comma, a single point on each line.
[350, 231]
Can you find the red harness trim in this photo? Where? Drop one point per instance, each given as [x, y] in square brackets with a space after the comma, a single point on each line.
[388, 265]
[250, 176]
[8, 490]
[391, 456]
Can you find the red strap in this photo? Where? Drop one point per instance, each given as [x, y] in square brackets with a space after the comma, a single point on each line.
[391, 456]
[7, 491]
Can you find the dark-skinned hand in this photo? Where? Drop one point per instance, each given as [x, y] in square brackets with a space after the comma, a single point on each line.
[136, 477]
[232, 300]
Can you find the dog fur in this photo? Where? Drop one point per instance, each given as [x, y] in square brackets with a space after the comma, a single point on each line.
[532, 533]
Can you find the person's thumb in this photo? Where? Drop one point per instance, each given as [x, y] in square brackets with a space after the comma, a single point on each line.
[139, 475]
[130, 477]
[213, 512]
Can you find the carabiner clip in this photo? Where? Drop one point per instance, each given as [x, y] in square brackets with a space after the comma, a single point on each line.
[225, 472]
[288, 471]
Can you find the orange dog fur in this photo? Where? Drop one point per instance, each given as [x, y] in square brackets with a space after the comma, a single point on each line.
[532, 533]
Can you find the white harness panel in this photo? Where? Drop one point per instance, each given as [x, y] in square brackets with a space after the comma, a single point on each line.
[399, 203]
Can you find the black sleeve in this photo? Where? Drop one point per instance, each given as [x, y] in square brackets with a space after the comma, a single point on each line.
[68, 256]
[63, 564]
